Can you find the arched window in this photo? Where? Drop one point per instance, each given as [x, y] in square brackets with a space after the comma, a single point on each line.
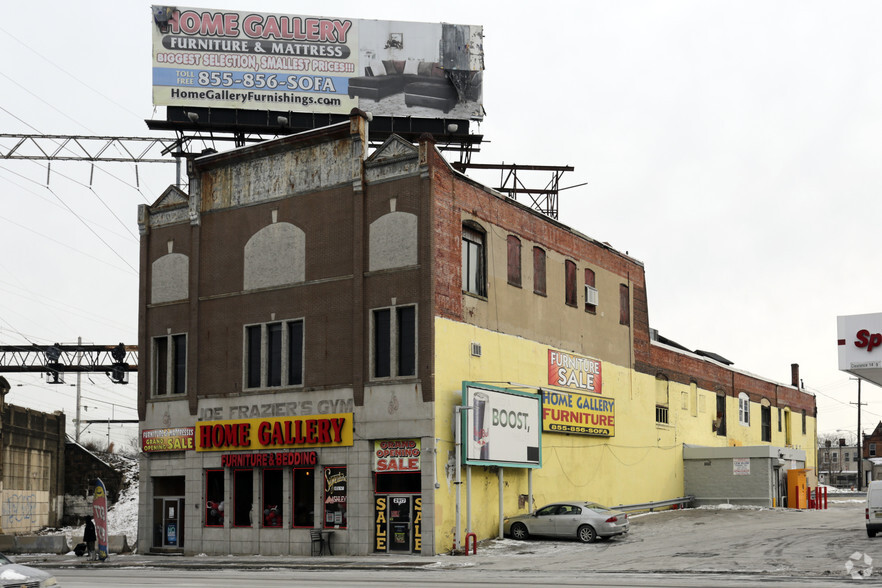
[744, 409]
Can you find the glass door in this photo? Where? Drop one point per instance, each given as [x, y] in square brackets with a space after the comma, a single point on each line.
[400, 523]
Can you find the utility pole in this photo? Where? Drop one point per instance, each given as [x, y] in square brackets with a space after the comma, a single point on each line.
[860, 455]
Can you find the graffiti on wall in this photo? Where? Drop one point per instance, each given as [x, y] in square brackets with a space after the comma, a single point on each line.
[24, 510]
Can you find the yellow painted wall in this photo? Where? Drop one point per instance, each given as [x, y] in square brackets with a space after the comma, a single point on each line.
[643, 462]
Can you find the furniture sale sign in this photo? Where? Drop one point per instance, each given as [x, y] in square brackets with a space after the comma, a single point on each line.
[567, 370]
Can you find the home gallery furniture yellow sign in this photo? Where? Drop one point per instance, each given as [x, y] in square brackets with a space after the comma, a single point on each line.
[584, 414]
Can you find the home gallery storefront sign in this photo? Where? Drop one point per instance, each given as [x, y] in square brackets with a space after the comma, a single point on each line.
[332, 430]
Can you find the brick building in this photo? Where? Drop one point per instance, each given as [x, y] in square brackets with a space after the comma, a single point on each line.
[314, 314]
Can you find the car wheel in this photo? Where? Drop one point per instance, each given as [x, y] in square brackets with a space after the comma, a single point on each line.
[871, 533]
[519, 531]
[587, 534]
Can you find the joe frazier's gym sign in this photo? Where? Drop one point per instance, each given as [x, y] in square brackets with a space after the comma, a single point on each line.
[329, 430]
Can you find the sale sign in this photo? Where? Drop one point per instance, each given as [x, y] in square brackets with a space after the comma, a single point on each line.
[566, 370]
[401, 455]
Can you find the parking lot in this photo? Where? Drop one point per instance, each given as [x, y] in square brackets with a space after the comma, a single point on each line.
[730, 540]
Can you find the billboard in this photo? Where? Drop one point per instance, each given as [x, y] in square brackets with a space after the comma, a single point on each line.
[268, 61]
[503, 427]
[859, 340]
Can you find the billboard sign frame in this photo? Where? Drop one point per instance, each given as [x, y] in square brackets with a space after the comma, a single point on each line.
[503, 428]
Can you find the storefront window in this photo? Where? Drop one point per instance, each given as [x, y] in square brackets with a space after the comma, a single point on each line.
[272, 498]
[243, 498]
[304, 497]
[335, 497]
[214, 498]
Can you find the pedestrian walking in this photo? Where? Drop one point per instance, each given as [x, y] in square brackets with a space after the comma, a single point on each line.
[89, 539]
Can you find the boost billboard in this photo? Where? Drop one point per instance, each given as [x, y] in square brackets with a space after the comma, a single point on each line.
[266, 61]
[503, 427]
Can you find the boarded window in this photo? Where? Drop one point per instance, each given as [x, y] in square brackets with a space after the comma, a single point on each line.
[538, 271]
[624, 305]
[514, 261]
[570, 285]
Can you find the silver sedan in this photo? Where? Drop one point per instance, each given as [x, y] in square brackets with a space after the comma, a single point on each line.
[585, 521]
[13, 574]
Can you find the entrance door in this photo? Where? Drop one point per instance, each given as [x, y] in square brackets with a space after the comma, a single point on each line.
[400, 523]
[168, 522]
[171, 516]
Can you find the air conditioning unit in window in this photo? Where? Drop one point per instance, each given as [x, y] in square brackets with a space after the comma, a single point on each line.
[590, 295]
[476, 349]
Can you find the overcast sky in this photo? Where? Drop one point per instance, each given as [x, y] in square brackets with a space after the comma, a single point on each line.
[732, 147]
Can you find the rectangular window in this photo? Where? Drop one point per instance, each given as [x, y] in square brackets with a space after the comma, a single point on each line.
[473, 261]
[243, 498]
[780, 418]
[304, 497]
[406, 340]
[538, 271]
[252, 341]
[872, 450]
[295, 353]
[160, 373]
[382, 343]
[590, 292]
[846, 457]
[514, 261]
[835, 458]
[570, 283]
[624, 305]
[214, 498]
[335, 497]
[274, 354]
[272, 498]
[170, 365]
[394, 331]
[803, 421]
[766, 415]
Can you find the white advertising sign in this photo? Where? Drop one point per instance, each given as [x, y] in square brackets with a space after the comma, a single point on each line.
[859, 341]
[504, 427]
[741, 466]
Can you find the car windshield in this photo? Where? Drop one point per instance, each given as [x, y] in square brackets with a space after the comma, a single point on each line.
[4, 560]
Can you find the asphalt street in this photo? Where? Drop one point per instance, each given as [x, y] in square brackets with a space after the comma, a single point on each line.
[690, 547]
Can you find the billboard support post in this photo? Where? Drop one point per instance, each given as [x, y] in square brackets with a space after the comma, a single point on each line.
[501, 515]
[457, 426]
